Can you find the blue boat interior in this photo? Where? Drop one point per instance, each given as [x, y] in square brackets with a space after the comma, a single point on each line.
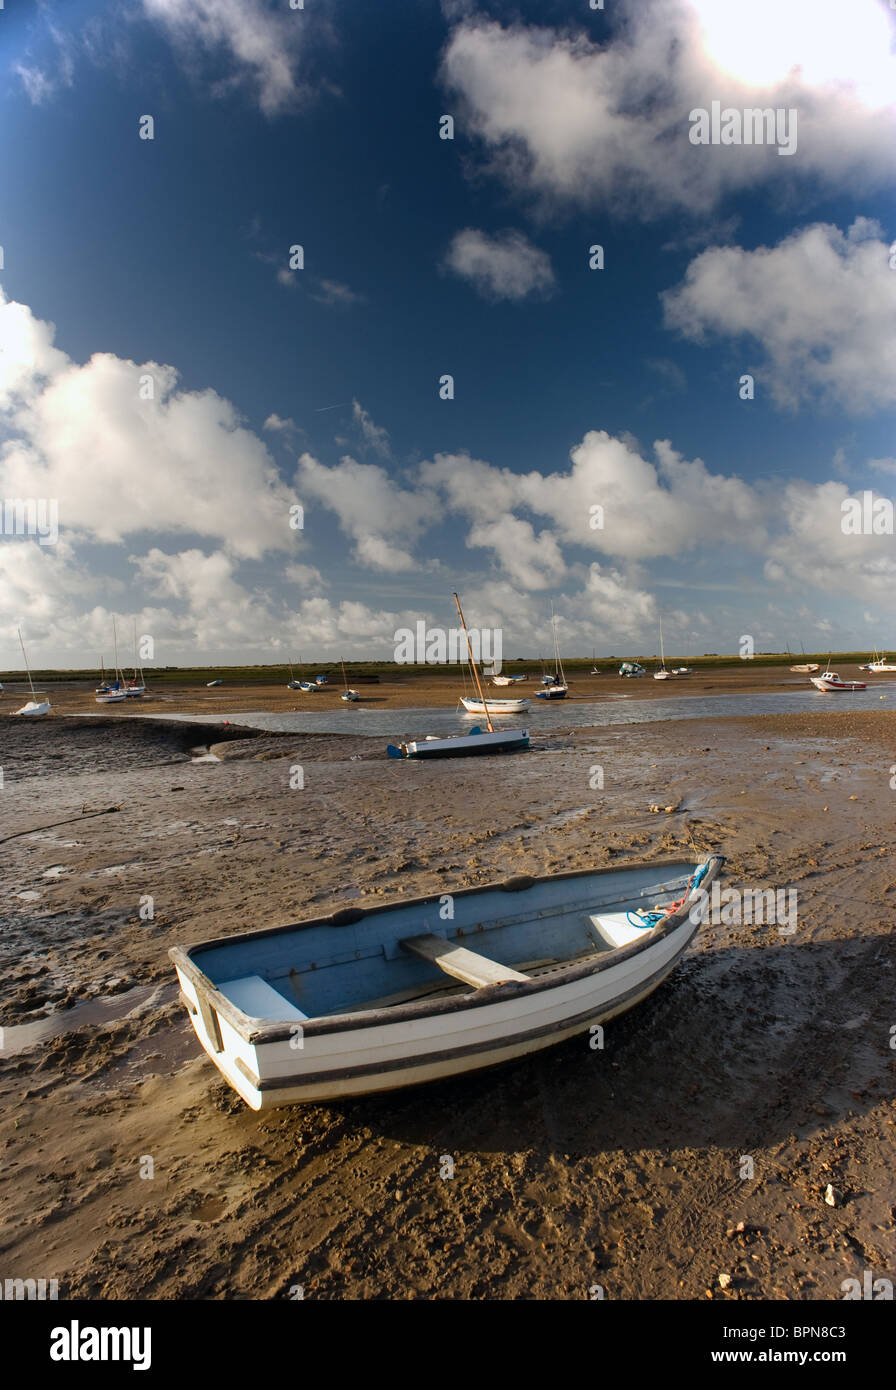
[309, 972]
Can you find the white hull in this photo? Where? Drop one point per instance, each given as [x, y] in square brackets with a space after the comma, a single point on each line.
[35, 707]
[662, 675]
[389, 1048]
[807, 669]
[115, 697]
[494, 706]
[484, 742]
[831, 683]
[878, 668]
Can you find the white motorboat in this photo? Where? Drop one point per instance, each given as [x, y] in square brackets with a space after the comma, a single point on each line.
[377, 999]
[830, 681]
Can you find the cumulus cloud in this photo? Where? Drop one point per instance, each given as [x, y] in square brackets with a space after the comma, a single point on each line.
[505, 266]
[372, 509]
[818, 308]
[566, 118]
[119, 464]
[651, 508]
[810, 548]
[261, 44]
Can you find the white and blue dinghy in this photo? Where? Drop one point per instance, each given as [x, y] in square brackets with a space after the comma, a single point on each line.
[377, 999]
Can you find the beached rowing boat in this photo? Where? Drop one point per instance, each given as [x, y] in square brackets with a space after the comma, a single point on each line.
[380, 998]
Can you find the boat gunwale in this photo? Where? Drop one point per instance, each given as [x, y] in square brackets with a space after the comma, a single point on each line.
[257, 1031]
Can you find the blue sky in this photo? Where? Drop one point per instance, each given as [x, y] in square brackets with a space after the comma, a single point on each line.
[169, 258]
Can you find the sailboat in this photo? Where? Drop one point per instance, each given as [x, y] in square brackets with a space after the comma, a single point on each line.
[493, 705]
[34, 706]
[292, 683]
[880, 665]
[115, 691]
[662, 674]
[136, 688]
[555, 687]
[348, 695]
[494, 741]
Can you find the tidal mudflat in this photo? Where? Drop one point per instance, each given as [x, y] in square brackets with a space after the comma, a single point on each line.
[767, 1053]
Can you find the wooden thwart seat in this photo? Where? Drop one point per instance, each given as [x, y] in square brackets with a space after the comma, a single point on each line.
[464, 965]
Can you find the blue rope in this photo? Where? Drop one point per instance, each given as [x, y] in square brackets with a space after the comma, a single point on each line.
[647, 920]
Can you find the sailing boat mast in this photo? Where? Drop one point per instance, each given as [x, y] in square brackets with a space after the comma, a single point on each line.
[25, 658]
[118, 673]
[662, 652]
[557, 645]
[474, 667]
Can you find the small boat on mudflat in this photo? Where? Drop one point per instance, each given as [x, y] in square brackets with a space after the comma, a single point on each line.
[476, 741]
[830, 682]
[34, 707]
[555, 686]
[490, 705]
[376, 999]
[348, 695]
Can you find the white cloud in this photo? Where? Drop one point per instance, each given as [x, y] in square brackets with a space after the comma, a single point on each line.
[371, 508]
[819, 308]
[504, 266]
[567, 118]
[333, 292]
[275, 423]
[374, 436]
[811, 550]
[651, 509]
[883, 465]
[261, 44]
[119, 465]
[529, 560]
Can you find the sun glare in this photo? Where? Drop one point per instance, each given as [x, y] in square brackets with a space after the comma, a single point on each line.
[761, 42]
